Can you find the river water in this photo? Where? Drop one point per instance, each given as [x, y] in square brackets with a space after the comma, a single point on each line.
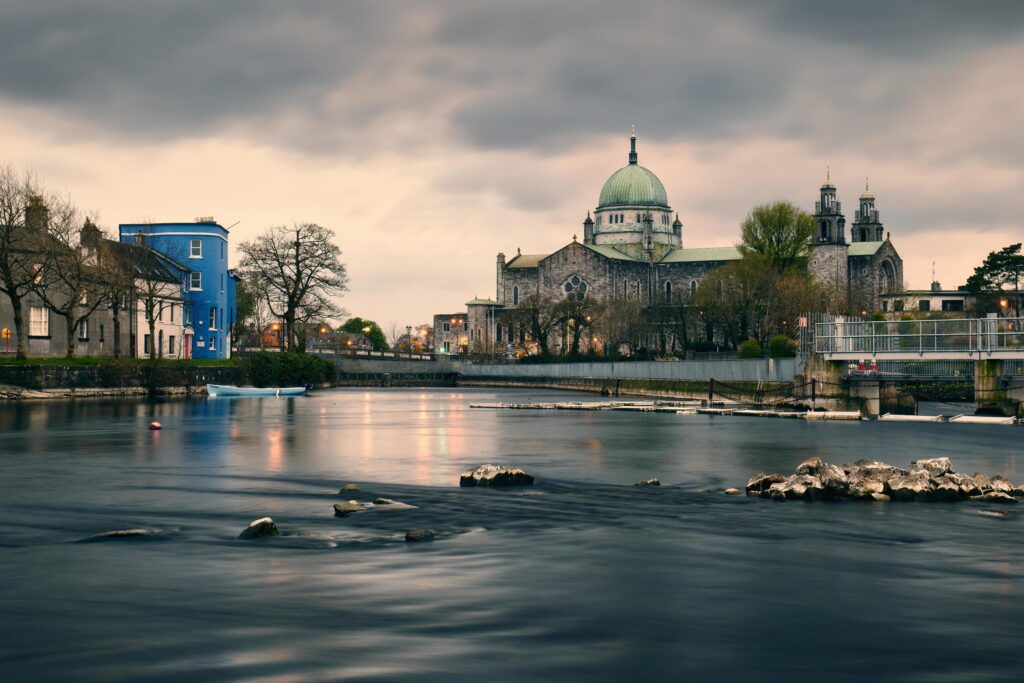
[582, 577]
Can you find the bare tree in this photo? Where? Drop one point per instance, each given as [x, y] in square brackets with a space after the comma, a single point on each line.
[299, 271]
[21, 213]
[539, 313]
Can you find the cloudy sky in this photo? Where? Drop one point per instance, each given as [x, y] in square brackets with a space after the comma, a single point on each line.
[432, 135]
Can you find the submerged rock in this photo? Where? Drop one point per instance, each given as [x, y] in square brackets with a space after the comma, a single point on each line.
[349, 487]
[760, 483]
[413, 535]
[125, 534]
[733, 492]
[495, 475]
[880, 497]
[653, 481]
[347, 508]
[264, 526]
[995, 497]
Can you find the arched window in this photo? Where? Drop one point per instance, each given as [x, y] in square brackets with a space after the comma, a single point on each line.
[668, 291]
[497, 332]
[515, 295]
[693, 290]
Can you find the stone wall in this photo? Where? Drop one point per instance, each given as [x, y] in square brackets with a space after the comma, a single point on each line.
[828, 264]
[118, 376]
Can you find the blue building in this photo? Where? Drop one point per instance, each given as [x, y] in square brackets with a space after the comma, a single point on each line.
[199, 251]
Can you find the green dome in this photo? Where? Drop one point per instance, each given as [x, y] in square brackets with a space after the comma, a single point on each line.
[633, 185]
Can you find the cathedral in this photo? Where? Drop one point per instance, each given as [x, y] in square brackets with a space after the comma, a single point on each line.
[632, 247]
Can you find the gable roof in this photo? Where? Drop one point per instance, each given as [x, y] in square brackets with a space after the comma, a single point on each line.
[865, 248]
[702, 254]
[608, 251]
[526, 260]
[482, 302]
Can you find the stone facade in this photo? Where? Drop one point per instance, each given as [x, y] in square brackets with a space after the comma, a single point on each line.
[632, 249]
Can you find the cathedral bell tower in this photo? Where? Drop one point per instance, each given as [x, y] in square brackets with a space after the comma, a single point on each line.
[828, 214]
[828, 262]
[867, 225]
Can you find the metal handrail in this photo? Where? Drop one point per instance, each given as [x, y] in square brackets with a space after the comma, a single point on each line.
[981, 335]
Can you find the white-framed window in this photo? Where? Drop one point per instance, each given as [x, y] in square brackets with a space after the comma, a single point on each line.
[444, 347]
[172, 313]
[195, 248]
[83, 328]
[222, 283]
[213, 342]
[446, 327]
[38, 321]
[170, 345]
[195, 280]
[213, 318]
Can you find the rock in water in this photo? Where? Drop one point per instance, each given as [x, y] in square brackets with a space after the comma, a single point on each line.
[653, 481]
[935, 467]
[880, 497]
[946, 487]
[733, 492]
[349, 487]
[865, 487]
[834, 480]
[264, 526]
[809, 466]
[800, 487]
[413, 535]
[995, 497]
[125, 534]
[342, 509]
[873, 468]
[1001, 485]
[495, 475]
[914, 486]
[760, 483]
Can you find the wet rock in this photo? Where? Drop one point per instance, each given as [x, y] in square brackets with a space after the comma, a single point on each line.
[349, 487]
[865, 487]
[495, 475]
[874, 468]
[880, 497]
[264, 526]
[946, 488]
[935, 467]
[778, 496]
[413, 535]
[809, 466]
[388, 504]
[347, 508]
[1018, 491]
[995, 497]
[760, 483]
[913, 486]
[653, 481]
[733, 492]
[699, 489]
[834, 479]
[1001, 485]
[800, 487]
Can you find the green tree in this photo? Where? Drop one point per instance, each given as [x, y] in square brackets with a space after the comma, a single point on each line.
[750, 349]
[370, 329]
[780, 233]
[1001, 271]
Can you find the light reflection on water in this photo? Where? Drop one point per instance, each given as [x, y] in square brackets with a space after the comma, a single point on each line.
[592, 579]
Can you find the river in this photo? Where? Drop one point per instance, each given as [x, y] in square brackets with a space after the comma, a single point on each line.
[582, 577]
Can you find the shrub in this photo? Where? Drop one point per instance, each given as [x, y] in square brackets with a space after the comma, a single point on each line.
[750, 349]
[267, 369]
[781, 346]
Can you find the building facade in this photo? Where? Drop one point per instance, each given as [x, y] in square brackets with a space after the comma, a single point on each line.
[199, 252]
[633, 247]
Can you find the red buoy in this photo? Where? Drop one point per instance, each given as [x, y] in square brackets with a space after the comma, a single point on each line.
[155, 425]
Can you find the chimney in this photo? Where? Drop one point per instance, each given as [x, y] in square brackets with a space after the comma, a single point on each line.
[36, 213]
[90, 235]
[936, 287]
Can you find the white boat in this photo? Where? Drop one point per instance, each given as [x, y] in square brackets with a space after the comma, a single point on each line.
[227, 390]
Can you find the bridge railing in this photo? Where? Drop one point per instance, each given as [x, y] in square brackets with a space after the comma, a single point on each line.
[920, 336]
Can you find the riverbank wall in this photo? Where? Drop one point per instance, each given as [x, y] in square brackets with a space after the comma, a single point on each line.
[123, 379]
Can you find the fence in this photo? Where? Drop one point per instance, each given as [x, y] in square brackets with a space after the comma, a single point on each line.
[919, 336]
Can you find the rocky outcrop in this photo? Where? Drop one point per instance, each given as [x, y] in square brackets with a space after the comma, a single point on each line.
[653, 481]
[495, 475]
[347, 508]
[349, 487]
[259, 528]
[930, 479]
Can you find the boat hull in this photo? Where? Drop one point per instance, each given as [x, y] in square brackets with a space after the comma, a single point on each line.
[218, 390]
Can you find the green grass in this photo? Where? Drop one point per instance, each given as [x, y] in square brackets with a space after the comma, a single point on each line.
[95, 360]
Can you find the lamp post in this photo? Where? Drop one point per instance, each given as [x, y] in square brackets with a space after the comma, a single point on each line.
[276, 327]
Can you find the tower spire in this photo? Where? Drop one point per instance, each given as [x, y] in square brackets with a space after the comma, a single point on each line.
[632, 145]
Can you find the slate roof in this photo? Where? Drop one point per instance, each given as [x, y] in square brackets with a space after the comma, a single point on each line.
[865, 248]
[702, 254]
[526, 260]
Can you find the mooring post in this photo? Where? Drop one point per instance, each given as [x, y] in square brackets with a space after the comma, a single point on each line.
[814, 391]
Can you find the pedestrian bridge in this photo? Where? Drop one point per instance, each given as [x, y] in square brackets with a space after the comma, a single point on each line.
[931, 340]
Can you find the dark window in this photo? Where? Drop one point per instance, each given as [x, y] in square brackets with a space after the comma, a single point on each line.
[952, 305]
[668, 291]
[924, 305]
[446, 327]
[102, 338]
[897, 305]
[465, 326]
[824, 230]
[522, 334]
[497, 332]
[515, 295]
